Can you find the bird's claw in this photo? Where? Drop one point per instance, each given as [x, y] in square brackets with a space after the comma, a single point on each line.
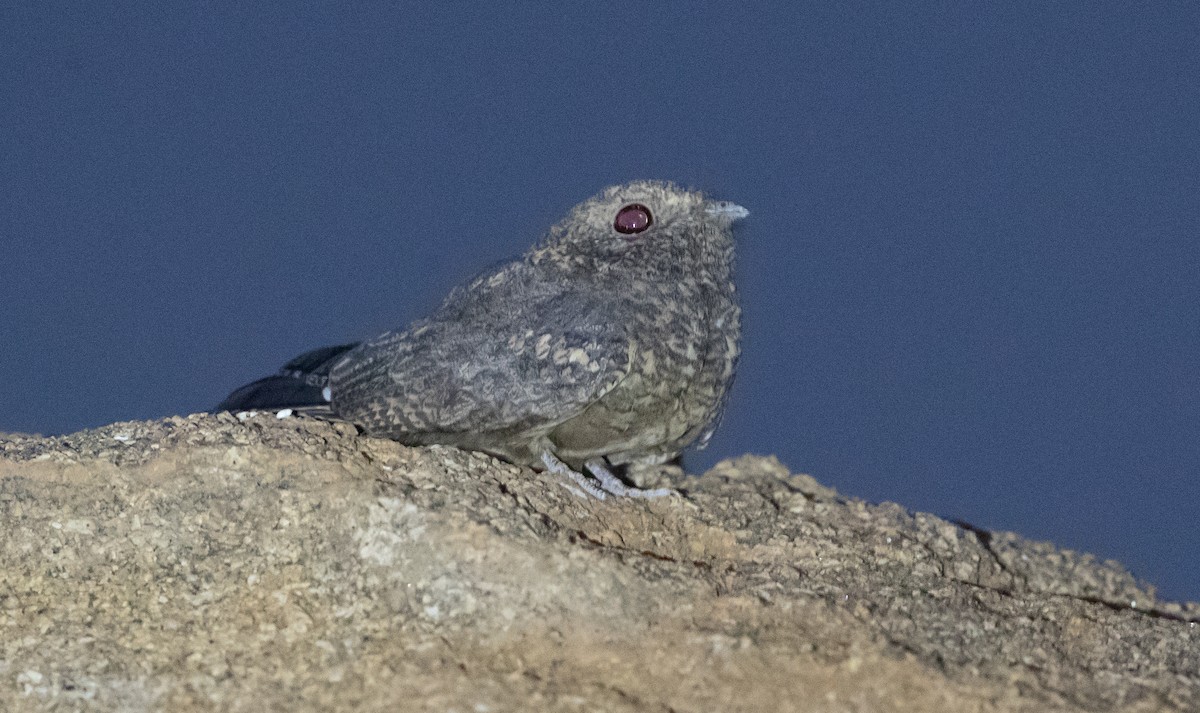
[604, 483]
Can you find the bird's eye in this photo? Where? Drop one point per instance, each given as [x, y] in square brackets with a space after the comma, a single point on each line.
[633, 218]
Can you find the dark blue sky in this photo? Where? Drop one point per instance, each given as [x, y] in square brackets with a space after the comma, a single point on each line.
[970, 274]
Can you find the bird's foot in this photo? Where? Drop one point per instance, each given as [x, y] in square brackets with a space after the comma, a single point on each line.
[554, 465]
[604, 484]
[613, 484]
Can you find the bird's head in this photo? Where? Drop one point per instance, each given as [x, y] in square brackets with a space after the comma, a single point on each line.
[641, 224]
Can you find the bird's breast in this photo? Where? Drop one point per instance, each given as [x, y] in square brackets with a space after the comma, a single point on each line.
[683, 349]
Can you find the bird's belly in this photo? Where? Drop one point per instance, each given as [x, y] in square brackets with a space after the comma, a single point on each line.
[634, 422]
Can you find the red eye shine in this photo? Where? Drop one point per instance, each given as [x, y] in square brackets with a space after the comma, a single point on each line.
[633, 218]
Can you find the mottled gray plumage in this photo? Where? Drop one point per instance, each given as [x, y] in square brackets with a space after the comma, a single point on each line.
[596, 344]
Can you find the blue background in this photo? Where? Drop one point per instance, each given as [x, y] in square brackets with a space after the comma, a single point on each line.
[970, 276]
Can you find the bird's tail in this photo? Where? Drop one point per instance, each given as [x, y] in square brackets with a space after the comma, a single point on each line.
[298, 385]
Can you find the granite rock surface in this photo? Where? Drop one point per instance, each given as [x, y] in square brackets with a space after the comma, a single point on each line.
[264, 564]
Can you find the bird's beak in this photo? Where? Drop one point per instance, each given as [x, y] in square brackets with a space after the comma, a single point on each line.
[727, 210]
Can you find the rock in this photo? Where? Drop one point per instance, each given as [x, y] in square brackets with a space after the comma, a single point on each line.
[212, 563]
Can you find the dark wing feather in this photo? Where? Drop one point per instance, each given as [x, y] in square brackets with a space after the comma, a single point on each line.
[298, 384]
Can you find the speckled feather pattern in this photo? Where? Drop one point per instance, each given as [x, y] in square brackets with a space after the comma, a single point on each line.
[593, 344]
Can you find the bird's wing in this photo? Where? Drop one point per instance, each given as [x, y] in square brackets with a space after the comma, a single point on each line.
[485, 366]
[297, 385]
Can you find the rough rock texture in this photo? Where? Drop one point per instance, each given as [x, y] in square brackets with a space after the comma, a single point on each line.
[205, 563]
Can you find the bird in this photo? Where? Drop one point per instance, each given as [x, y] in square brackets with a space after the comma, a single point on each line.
[612, 341]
